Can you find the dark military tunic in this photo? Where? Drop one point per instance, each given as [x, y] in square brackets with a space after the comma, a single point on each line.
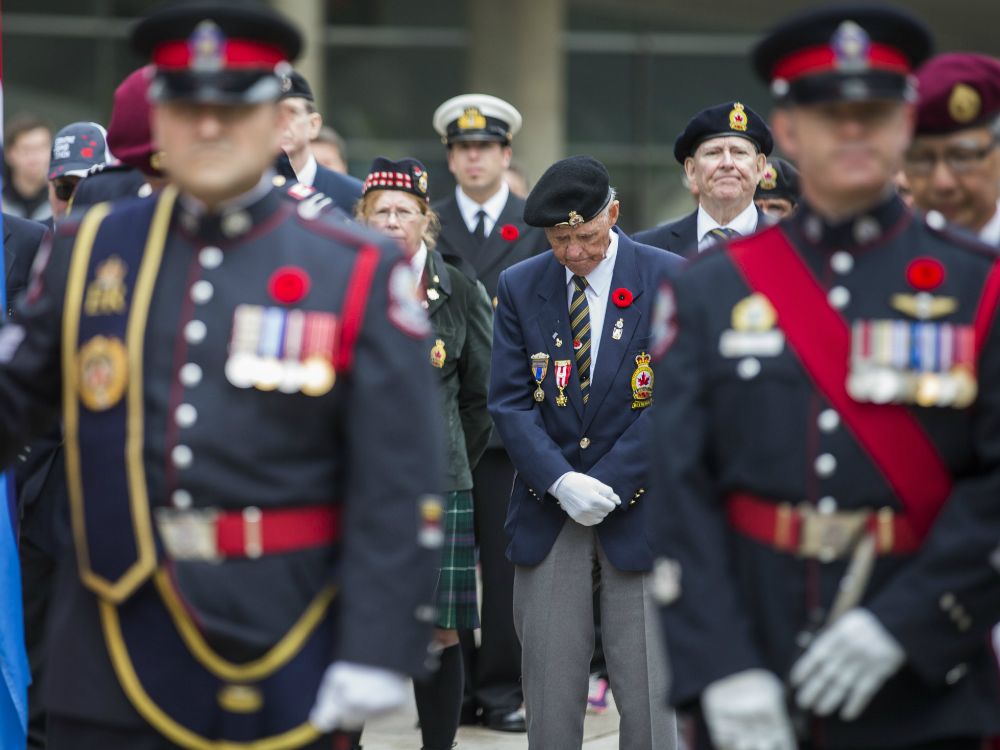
[742, 417]
[370, 446]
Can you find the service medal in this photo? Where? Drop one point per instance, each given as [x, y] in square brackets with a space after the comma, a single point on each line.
[563, 367]
[539, 368]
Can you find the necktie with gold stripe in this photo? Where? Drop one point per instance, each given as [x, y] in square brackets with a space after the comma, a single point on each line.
[579, 321]
[723, 233]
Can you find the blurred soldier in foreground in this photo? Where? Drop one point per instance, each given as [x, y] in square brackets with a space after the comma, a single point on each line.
[827, 465]
[254, 525]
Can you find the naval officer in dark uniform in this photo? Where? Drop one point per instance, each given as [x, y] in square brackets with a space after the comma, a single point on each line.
[252, 457]
[483, 232]
[827, 466]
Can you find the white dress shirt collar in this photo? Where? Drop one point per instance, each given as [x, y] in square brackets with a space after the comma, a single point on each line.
[493, 206]
[418, 262]
[745, 223]
[307, 176]
[990, 234]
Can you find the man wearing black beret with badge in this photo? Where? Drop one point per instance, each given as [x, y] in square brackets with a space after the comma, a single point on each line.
[777, 192]
[570, 390]
[723, 151]
[255, 531]
[302, 123]
[829, 455]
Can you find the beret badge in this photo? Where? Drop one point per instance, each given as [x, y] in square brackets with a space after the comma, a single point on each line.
[769, 179]
[574, 219]
[964, 103]
[472, 119]
[421, 176]
[738, 118]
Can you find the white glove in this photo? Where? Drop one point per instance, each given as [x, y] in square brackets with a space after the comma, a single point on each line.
[352, 693]
[585, 499]
[846, 665]
[746, 711]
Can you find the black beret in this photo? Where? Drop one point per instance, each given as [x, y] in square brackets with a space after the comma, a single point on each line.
[406, 175]
[843, 53]
[728, 118]
[295, 86]
[571, 191]
[218, 52]
[779, 180]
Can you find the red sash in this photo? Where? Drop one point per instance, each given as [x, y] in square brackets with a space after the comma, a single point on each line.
[820, 338]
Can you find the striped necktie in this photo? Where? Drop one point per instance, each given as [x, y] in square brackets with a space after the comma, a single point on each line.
[723, 233]
[579, 321]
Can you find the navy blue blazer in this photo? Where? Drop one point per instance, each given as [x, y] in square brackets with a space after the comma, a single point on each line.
[344, 189]
[681, 236]
[545, 441]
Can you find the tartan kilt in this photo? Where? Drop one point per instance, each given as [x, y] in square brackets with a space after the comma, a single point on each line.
[456, 589]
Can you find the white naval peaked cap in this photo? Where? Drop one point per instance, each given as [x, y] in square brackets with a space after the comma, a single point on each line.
[476, 117]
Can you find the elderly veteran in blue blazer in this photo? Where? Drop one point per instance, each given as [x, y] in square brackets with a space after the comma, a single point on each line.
[570, 389]
[723, 150]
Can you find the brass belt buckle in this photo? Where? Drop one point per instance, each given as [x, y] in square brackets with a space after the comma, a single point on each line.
[189, 535]
[829, 536]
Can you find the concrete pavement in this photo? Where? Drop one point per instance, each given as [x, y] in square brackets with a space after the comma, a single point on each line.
[398, 732]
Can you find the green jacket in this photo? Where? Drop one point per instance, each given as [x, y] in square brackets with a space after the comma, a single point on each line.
[462, 318]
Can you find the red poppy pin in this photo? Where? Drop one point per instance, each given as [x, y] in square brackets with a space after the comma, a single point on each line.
[622, 297]
[289, 284]
[925, 274]
[509, 232]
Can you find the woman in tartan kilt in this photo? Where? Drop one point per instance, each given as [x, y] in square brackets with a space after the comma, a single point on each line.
[395, 202]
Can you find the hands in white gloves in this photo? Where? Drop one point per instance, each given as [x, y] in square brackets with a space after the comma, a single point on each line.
[585, 499]
[846, 665]
[746, 711]
[352, 693]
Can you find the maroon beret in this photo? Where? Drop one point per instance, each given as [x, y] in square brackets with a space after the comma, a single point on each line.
[129, 137]
[957, 90]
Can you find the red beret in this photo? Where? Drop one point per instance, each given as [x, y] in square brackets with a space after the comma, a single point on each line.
[958, 90]
[129, 136]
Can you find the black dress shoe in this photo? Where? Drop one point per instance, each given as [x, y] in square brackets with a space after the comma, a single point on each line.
[514, 721]
[469, 717]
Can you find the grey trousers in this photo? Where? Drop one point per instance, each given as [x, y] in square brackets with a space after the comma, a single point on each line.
[554, 619]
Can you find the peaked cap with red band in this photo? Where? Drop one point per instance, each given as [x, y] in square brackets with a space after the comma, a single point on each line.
[843, 53]
[217, 52]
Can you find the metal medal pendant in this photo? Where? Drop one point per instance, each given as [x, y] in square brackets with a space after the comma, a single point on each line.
[539, 394]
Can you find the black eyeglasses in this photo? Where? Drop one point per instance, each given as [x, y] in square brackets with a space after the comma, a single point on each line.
[64, 189]
[959, 159]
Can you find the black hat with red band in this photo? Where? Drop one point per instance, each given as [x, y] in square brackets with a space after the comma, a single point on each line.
[217, 52]
[843, 53]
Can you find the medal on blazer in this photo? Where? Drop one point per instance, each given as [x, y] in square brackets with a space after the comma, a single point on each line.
[563, 367]
[642, 382]
[616, 334]
[438, 354]
[539, 368]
